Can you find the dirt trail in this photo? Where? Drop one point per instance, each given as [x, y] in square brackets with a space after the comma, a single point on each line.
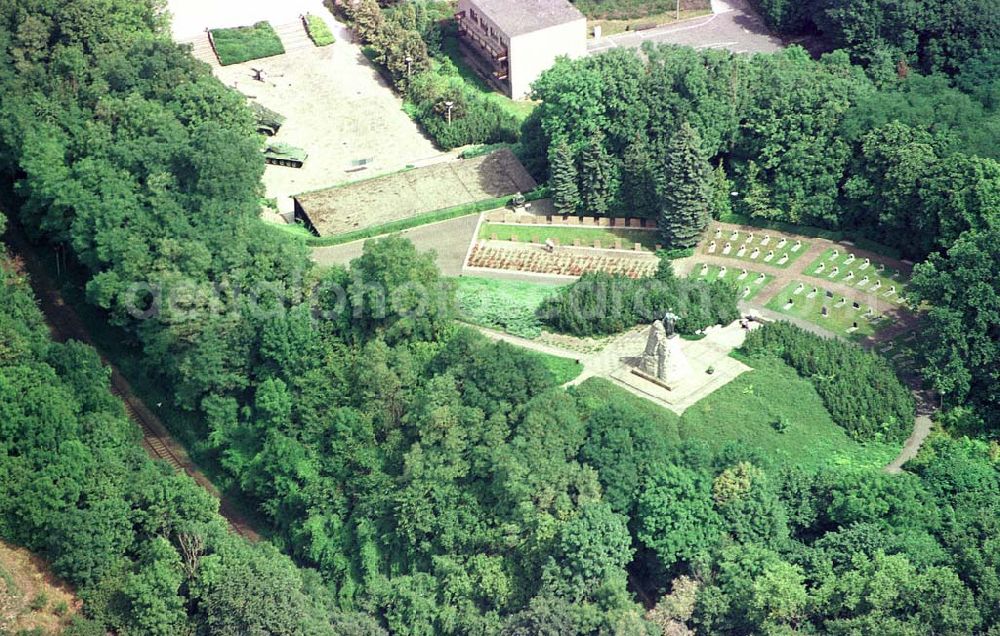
[65, 324]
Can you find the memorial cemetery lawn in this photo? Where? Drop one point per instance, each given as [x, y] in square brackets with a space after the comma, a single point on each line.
[752, 280]
[841, 314]
[836, 264]
[566, 235]
[745, 412]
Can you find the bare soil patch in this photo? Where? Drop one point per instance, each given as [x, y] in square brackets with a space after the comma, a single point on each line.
[31, 597]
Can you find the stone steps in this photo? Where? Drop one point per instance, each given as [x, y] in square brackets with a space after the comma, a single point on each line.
[202, 50]
[293, 36]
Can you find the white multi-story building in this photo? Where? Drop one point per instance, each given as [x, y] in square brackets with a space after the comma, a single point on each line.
[516, 40]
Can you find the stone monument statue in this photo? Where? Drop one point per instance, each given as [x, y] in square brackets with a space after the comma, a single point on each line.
[663, 358]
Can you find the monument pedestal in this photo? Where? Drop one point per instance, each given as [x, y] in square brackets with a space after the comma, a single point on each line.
[663, 358]
[675, 373]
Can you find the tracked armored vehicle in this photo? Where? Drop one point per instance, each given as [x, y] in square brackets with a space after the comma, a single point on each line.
[268, 121]
[284, 155]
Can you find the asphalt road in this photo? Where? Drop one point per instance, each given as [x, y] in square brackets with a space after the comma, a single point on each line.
[733, 26]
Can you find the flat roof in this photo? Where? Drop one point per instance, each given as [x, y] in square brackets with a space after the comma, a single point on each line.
[515, 17]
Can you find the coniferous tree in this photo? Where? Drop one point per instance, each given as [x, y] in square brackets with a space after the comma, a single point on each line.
[756, 199]
[721, 202]
[597, 176]
[686, 188]
[565, 193]
[637, 196]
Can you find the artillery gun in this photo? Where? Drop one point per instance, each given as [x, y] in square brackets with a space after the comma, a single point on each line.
[268, 121]
[284, 155]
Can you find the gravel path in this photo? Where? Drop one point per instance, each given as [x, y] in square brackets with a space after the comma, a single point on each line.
[921, 429]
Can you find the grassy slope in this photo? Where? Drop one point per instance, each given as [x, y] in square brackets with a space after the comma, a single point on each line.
[563, 369]
[518, 108]
[743, 412]
[25, 584]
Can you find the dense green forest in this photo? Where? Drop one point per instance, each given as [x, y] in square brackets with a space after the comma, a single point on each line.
[425, 480]
[145, 547]
[907, 161]
[958, 38]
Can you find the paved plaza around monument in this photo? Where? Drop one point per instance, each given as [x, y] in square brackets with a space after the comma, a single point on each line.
[615, 362]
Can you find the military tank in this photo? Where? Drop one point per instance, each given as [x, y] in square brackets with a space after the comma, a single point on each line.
[284, 155]
[268, 121]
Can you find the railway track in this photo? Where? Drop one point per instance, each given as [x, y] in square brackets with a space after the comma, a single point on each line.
[64, 325]
[152, 442]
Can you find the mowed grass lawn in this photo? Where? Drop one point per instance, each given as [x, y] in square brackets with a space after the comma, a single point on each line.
[504, 305]
[562, 369]
[753, 281]
[841, 314]
[566, 235]
[245, 43]
[744, 411]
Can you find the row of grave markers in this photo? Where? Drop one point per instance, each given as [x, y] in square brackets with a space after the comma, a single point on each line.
[764, 241]
[825, 311]
[755, 253]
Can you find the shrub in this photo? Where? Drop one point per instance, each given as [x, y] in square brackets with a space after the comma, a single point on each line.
[38, 602]
[242, 44]
[60, 608]
[319, 32]
[600, 303]
[859, 389]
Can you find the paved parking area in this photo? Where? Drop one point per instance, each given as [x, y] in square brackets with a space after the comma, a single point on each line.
[338, 107]
[733, 26]
[448, 239]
